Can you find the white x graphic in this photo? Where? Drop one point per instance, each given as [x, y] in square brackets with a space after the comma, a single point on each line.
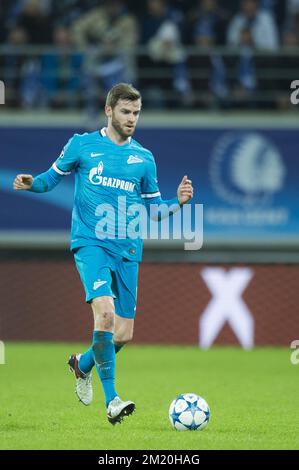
[227, 304]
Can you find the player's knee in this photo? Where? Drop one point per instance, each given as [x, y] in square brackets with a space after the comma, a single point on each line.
[103, 314]
[127, 338]
[104, 321]
[123, 337]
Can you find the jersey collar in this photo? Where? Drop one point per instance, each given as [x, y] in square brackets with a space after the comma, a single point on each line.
[104, 134]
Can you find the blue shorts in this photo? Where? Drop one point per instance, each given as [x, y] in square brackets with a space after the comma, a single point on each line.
[105, 273]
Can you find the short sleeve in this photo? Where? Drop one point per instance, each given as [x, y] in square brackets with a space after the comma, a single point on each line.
[149, 185]
[69, 157]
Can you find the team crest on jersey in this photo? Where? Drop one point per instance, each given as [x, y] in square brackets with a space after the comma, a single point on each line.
[134, 159]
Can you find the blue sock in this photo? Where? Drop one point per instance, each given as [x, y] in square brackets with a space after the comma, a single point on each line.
[118, 346]
[86, 361]
[104, 358]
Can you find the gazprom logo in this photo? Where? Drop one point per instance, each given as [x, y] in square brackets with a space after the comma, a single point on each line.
[96, 178]
[246, 168]
[2, 92]
[95, 173]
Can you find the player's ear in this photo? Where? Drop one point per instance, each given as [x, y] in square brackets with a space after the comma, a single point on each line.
[108, 111]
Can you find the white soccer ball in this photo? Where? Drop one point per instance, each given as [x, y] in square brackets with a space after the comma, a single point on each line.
[189, 412]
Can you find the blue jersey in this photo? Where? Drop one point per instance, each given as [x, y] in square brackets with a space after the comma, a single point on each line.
[109, 178]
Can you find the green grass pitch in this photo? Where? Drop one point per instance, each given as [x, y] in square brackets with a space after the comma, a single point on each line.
[253, 396]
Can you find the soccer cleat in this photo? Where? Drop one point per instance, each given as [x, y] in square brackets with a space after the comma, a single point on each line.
[118, 409]
[83, 381]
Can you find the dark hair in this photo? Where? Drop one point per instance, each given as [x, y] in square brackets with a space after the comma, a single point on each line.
[122, 91]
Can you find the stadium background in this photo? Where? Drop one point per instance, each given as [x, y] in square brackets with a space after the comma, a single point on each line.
[216, 107]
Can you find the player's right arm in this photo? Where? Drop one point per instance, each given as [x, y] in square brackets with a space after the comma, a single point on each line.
[46, 181]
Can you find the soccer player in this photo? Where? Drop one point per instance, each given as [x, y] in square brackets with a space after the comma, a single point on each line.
[112, 172]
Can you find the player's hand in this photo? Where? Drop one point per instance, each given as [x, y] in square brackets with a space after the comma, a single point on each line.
[185, 190]
[23, 182]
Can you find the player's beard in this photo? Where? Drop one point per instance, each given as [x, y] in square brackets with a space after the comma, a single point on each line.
[121, 130]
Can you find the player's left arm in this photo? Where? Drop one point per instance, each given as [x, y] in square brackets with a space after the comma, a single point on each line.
[185, 191]
[151, 195]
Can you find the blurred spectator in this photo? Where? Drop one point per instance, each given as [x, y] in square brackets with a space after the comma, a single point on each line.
[222, 82]
[164, 58]
[293, 16]
[30, 85]
[12, 11]
[165, 44]
[206, 19]
[182, 5]
[61, 72]
[112, 33]
[295, 23]
[37, 25]
[261, 24]
[5, 8]
[208, 75]
[293, 6]
[108, 24]
[291, 39]
[2, 24]
[245, 80]
[206, 24]
[65, 12]
[20, 72]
